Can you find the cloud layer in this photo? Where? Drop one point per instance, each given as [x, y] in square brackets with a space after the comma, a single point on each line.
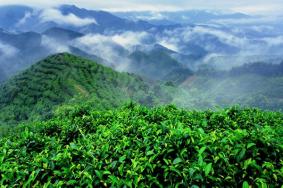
[7, 51]
[56, 16]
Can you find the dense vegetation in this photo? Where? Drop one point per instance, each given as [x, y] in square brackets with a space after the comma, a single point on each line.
[140, 147]
[67, 79]
[252, 85]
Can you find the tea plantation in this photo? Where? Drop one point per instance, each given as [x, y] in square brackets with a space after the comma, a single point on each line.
[136, 146]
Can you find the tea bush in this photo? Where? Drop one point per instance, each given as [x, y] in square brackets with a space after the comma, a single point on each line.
[137, 146]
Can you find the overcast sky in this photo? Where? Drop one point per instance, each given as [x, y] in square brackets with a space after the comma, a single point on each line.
[245, 6]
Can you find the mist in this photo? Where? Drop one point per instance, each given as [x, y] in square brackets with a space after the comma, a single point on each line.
[177, 53]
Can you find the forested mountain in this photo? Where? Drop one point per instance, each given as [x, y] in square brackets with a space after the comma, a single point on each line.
[61, 34]
[258, 85]
[67, 79]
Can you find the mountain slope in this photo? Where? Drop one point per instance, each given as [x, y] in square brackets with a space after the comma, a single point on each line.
[257, 85]
[62, 79]
[21, 50]
[63, 35]
[156, 64]
[105, 21]
[21, 40]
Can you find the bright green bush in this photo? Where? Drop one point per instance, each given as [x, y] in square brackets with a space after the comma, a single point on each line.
[140, 147]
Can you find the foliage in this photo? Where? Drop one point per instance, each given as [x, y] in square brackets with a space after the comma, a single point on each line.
[66, 79]
[249, 90]
[140, 147]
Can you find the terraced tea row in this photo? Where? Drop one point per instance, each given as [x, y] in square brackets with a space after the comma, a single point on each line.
[140, 147]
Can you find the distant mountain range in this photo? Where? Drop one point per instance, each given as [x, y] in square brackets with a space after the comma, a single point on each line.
[145, 43]
[181, 17]
[22, 18]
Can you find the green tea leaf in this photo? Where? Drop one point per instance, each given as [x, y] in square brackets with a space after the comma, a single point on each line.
[201, 150]
[245, 184]
[177, 160]
[151, 152]
[208, 169]
[250, 145]
[121, 159]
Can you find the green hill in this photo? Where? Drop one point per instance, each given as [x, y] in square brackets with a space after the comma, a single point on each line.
[253, 85]
[64, 79]
[139, 147]
[67, 79]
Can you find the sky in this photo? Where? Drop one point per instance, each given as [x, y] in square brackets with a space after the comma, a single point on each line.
[244, 6]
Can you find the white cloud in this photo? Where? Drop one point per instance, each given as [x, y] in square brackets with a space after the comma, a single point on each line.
[169, 45]
[7, 51]
[99, 45]
[255, 20]
[152, 15]
[260, 8]
[69, 19]
[127, 39]
[130, 39]
[113, 48]
[53, 46]
[274, 41]
[180, 38]
[24, 19]
[224, 37]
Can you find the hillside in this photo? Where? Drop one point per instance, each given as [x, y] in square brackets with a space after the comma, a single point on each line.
[139, 147]
[155, 64]
[252, 85]
[61, 34]
[18, 50]
[63, 79]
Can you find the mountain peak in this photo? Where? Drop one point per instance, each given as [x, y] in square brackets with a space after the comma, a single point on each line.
[62, 79]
